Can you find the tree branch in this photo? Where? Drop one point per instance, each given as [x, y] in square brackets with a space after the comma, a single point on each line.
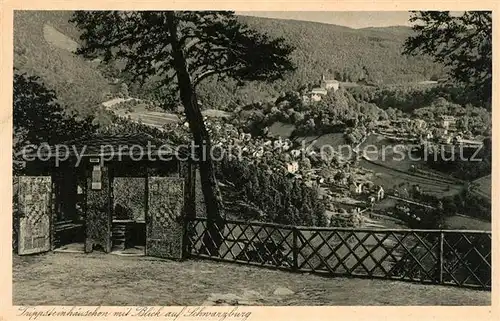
[208, 73]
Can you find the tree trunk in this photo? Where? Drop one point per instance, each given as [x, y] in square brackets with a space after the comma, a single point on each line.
[211, 191]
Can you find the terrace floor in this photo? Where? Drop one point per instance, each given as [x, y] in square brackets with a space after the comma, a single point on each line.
[103, 279]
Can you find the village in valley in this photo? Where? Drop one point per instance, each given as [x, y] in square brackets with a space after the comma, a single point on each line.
[373, 162]
[354, 194]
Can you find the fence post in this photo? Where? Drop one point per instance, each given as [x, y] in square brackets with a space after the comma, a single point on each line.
[441, 257]
[185, 238]
[295, 249]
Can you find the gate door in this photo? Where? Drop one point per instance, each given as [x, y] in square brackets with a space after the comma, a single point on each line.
[34, 214]
[165, 220]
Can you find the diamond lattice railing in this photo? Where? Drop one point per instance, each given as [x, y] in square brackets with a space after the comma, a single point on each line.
[467, 259]
[461, 258]
[249, 243]
[367, 253]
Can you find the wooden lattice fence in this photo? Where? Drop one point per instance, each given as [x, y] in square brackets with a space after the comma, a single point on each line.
[461, 258]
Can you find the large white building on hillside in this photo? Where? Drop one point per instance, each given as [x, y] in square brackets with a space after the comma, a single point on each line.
[329, 84]
[326, 85]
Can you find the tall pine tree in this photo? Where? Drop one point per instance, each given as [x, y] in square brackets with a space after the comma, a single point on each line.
[462, 42]
[179, 49]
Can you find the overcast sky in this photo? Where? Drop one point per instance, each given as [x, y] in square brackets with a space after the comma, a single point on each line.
[353, 19]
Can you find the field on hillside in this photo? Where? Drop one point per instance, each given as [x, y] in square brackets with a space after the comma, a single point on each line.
[391, 166]
[333, 140]
[151, 118]
[484, 186]
[380, 150]
[106, 279]
[326, 143]
[389, 177]
[157, 118]
[462, 222]
[455, 222]
[391, 171]
[279, 129]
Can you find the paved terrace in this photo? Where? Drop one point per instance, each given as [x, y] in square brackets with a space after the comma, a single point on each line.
[107, 279]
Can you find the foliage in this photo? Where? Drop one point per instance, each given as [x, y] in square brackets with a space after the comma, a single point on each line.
[427, 103]
[470, 167]
[337, 111]
[469, 118]
[407, 98]
[338, 52]
[38, 118]
[214, 43]
[282, 199]
[464, 202]
[471, 204]
[463, 43]
[124, 90]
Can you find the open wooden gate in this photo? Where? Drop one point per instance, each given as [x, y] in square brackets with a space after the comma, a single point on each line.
[164, 218]
[34, 197]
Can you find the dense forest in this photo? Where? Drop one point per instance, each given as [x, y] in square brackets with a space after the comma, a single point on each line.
[369, 56]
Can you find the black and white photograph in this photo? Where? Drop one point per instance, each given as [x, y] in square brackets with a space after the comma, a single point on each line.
[251, 158]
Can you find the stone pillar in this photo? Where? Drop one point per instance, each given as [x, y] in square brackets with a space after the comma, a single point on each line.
[99, 211]
[188, 172]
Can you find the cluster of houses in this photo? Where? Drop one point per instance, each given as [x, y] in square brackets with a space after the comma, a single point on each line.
[444, 131]
[280, 155]
[372, 193]
[447, 133]
[281, 151]
[355, 192]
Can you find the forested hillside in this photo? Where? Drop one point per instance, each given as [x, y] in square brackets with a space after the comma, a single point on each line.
[351, 55]
[373, 54]
[43, 42]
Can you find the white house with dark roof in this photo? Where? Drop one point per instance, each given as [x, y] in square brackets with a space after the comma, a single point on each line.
[326, 85]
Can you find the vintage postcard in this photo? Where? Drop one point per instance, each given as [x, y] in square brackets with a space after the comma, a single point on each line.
[234, 162]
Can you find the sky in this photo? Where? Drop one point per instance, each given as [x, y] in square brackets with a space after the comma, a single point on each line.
[352, 19]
